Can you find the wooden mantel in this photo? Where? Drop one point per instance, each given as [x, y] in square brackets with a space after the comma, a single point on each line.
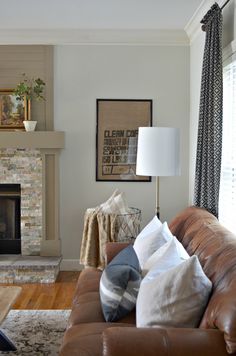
[34, 139]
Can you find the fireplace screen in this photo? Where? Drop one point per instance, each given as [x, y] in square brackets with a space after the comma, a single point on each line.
[10, 242]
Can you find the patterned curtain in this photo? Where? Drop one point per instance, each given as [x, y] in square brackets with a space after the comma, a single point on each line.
[209, 144]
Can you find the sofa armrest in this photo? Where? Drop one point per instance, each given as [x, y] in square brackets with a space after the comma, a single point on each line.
[113, 248]
[163, 342]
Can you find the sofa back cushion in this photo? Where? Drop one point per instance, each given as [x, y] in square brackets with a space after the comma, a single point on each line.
[202, 234]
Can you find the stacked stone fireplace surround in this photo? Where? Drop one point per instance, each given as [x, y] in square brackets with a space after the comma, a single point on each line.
[27, 167]
[24, 167]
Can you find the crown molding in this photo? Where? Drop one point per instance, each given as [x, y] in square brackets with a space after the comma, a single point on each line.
[93, 37]
[193, 27]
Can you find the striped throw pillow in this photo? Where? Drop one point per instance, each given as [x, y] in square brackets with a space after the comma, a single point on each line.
[119, 285]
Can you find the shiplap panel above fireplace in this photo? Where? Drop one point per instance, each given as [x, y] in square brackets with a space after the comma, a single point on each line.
[35, 61]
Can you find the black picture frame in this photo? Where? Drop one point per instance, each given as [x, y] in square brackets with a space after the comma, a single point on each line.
[117, 123]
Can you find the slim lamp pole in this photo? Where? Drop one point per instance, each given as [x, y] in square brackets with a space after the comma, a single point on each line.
[157, 198]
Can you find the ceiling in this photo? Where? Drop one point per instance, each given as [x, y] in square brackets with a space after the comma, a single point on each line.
[97, 14]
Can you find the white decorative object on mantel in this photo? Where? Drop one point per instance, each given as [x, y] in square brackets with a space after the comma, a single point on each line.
[29, 125]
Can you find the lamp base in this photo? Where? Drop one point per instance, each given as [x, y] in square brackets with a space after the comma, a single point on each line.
[158, 212]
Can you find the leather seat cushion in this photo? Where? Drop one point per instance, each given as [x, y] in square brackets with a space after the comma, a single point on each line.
[85, 339]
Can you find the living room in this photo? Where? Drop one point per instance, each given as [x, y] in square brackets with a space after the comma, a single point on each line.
[151, 50]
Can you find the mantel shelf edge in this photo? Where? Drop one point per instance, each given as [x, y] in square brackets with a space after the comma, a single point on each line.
[34, 139]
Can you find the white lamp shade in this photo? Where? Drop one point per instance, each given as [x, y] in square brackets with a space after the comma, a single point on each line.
[158, 151]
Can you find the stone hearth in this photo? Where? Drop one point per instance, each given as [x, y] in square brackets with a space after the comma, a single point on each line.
[28, 269]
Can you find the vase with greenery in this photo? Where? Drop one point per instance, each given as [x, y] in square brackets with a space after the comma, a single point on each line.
[30, 89]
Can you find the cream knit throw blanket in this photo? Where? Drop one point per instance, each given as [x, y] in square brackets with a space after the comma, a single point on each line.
[99, 229]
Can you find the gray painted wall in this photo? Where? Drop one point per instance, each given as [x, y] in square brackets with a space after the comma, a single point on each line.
[84, 73]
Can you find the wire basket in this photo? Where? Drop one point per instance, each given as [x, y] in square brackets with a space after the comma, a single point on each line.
[127, 226]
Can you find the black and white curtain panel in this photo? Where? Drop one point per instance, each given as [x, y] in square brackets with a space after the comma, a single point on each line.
[209, 144]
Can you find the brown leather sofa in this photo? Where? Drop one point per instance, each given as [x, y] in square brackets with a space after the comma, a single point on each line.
[200, 232]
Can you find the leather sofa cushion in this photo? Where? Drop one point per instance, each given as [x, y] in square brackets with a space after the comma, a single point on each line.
[86, 312]
[85, 339]
[88, 281]
[163, 342]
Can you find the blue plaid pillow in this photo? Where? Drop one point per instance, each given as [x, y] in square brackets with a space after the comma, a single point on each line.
[119, 285]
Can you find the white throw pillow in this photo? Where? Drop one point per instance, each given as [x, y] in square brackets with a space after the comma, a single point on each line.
[166, 257]
[116, 204]
[175, 298]
[152, 226]
[107, 202]
[148, 241]
[183, 253]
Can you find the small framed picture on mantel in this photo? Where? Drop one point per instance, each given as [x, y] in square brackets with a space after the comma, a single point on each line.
[118, 121]
[12, 111]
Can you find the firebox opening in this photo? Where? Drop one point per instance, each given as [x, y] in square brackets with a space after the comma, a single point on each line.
[10, 213]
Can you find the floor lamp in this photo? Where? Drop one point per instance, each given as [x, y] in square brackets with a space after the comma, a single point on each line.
[158, 154]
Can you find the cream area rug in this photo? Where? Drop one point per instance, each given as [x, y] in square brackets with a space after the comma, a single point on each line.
[35, 332]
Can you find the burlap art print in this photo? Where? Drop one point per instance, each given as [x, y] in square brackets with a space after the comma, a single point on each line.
[118, 121]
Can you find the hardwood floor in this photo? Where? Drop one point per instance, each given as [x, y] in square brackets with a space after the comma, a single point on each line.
[48, 296]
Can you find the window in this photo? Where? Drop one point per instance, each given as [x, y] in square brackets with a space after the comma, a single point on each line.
[227, 200]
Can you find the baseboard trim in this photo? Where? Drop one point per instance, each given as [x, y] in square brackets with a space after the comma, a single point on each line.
[70, 265]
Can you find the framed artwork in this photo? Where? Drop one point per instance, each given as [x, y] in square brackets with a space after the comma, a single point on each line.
[12, 111]
[118, 121]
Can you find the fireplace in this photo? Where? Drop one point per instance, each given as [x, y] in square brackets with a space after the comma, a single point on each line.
[31, 160]
[30, 247]
[10, 219]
